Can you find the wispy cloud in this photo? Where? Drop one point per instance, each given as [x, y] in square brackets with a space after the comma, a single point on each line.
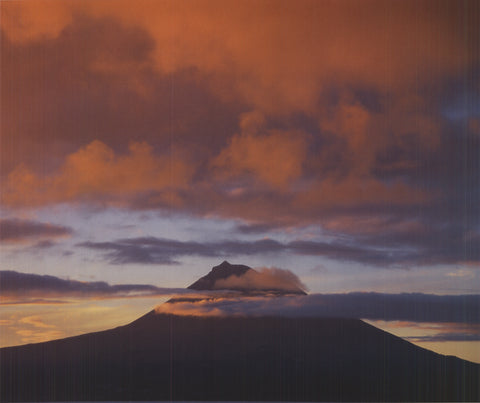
[37, 336]
[35, 321]
[164, 251]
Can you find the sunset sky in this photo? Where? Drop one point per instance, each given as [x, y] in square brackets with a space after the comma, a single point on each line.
[144, 142]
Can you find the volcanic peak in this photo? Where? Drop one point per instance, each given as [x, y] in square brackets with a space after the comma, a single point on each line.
[226, 270]
[220, 272]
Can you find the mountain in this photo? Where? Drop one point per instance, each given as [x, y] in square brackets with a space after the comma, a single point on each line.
[169, 357]
[166, 357]
[225, 271]
[220, 272]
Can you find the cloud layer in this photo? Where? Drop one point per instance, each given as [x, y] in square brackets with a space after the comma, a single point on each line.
[394, 249]
[374, 306]
[18, 287]
[360, 119]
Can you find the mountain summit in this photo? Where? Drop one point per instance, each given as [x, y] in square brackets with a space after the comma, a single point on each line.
[220, 272]
[239, 277]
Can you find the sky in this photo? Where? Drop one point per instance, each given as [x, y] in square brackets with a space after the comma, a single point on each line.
[142, 145]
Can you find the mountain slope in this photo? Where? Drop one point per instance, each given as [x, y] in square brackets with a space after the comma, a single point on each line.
[165, 357]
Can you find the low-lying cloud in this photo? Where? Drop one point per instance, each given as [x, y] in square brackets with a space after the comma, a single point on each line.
[373, 306]
[467, 336]
[25, 287]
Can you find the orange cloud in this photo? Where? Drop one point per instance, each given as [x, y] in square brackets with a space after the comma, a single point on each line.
[371, 224]
[202, 307]
[19, 323]
[365, 139]
[27, 21]
[95, 173]
[35, 321]
[344, 100]
[30, 329]
[263, 279]
[351, 122]
[275, 157]
[356, 191]
[281, 54]
[143, 179]
[35, 336]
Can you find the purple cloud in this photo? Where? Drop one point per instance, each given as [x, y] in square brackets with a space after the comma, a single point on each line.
[17, 230]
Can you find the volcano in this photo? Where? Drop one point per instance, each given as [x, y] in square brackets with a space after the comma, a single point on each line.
[220, 272]
[226, 271]
[232, 358]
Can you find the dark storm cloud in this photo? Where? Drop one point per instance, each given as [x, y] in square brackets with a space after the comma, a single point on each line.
[16, 230]
[25, 285]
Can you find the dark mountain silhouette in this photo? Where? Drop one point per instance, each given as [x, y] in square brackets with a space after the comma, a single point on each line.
[226, 270]
[167, 357]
